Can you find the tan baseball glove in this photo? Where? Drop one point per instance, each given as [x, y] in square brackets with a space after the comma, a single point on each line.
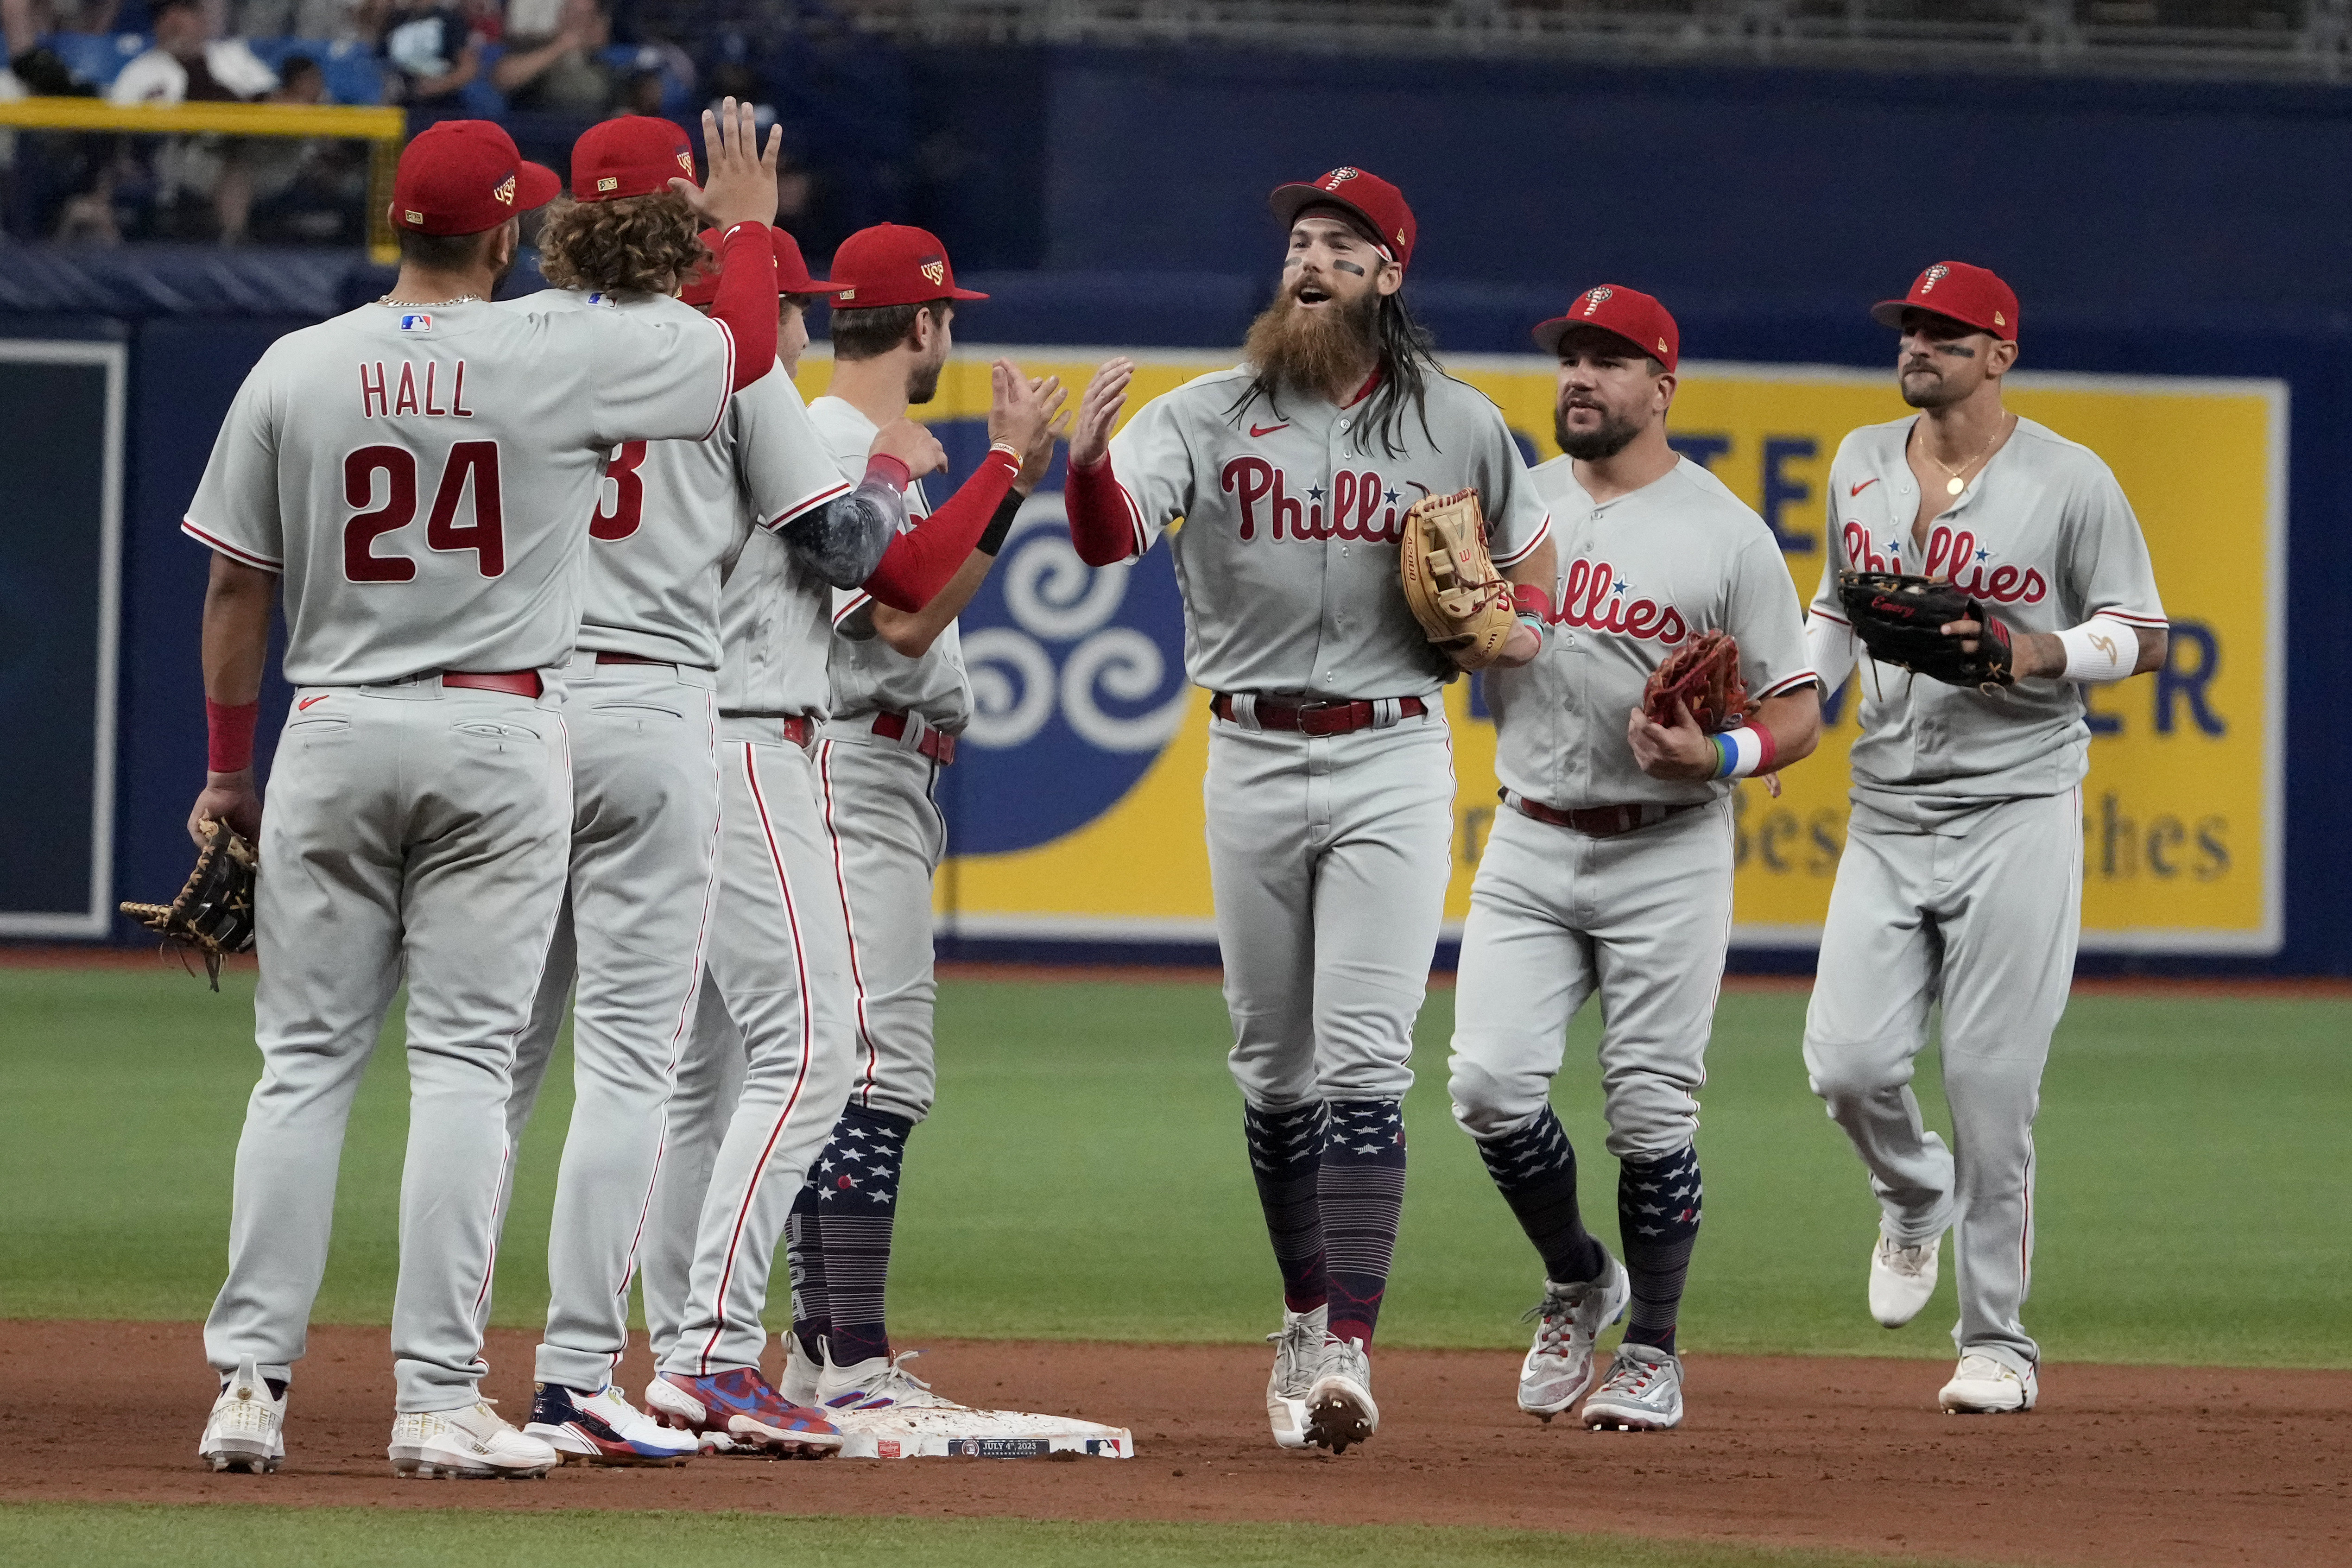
[1450, 580]
[212, 916]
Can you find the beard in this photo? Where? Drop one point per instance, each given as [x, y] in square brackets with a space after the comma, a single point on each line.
[923, 378]
[1312, 351]
[1928, 388]
[1591, 446]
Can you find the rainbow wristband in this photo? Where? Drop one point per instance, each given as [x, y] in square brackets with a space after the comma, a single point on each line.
[1743, 752]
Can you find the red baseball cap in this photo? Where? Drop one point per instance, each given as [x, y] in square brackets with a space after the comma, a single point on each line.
[463, 176]
[1972, 296]
[1621, 312]
[892, 264]
[635, 155]
[1376, 204]
[792, 272]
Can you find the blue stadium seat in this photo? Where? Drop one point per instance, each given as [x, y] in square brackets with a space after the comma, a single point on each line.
[483, 100]
[353, 73]
[97, 57]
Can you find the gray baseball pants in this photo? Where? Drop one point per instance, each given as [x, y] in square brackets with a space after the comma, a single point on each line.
[1328, 858]
[644, 827]
[1980, 908]
[701, 1103]
[416, 831]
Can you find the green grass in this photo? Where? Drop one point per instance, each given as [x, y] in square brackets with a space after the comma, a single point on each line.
[1082, 1178]
[240, 1536]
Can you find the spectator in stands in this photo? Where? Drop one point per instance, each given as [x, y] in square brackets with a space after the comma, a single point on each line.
[558, 71]
[430, 52]
[186, 66]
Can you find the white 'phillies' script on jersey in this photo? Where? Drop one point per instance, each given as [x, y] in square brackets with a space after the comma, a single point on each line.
[2043, 536]
[672, 516]
[423, 476]
[1640, 576]
[869, 676]
[1288, 557]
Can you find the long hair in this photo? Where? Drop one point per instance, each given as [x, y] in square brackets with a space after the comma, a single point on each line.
[1406, 356]
[639, 245]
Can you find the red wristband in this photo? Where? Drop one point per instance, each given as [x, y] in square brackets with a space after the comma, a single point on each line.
[882, 466]
[1528, 599]
[228, 733]
[1767, 750]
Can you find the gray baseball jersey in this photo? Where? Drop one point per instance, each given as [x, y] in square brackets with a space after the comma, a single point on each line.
[869, 676]
[653, 582]
[1287, 558]
[1640, 575]
[422, 479]
[2044, 536]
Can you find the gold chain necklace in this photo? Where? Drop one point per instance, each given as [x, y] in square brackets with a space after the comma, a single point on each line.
[1956, 484]
[430, 304]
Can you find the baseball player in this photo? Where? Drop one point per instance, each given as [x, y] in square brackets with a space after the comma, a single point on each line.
[420, 473]
[769, 1065]
[1612, 869]
[673, 522]
[901, 698]
[1962, 876]
[1331, 780]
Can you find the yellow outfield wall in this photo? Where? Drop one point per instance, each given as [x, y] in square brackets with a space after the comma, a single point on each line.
[2181, 810]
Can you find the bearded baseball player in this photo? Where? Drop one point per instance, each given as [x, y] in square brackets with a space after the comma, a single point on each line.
[1962, 876]
[1611, 871]
[643, 710]
[769, 1065]
[901, 698]
[421, 805]
[1331, 780]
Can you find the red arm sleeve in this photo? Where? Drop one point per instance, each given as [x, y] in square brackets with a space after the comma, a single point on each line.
[747, 299]
[919, 562]
[1102, 524]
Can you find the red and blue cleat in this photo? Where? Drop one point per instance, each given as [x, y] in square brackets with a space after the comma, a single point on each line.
[602, 1428]
[744, 1410]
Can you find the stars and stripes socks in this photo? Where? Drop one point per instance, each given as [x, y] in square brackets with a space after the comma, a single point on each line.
[1658, 1213]
[855, 1181]
[1362, 1188]
[804, 1259]
[1535, 1168]
[1285, 1151]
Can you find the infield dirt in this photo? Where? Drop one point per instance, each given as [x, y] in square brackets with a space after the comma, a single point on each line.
[2120, 1465]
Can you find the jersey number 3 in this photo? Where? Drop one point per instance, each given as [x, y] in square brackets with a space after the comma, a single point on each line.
[485, 535]
[628, 504]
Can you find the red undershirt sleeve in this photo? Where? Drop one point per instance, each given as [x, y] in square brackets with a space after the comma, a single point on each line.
[1102, 526]
[747, 299]
[919, 562]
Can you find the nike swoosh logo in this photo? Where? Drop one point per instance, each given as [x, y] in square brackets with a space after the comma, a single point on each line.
[304, 706]
[1859, 488]
[1268, 429]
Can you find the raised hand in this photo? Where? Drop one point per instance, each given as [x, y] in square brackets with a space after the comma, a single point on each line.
[1099, 410]
[742, 184]
[1020, 409]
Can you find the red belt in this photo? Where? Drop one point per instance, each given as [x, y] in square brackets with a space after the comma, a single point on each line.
[1340, 718]
[1596, 821]
[627, 658]
[935, 744]
[515, 683]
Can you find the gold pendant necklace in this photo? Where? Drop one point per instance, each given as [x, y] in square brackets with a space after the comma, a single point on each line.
[1956, 484]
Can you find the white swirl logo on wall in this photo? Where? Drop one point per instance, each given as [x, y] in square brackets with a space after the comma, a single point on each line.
[1055, 597]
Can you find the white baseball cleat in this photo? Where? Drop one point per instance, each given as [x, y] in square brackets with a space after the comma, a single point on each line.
[1297, 1362]
[802, 1371]
[1642, 1392]
[877, 1383]
[471, 1443]
[1340, 1408]
[1983, 1386]
[602, 1428]
[1558, 1365]
[1902, 1278]
[247, 1430]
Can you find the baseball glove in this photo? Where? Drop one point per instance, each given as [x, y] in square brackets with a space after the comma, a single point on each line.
[214, 913]
[1901, 620]
[1704, 673]
[1450, 581]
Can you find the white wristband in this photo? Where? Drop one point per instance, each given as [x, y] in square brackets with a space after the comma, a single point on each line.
[2099, 650]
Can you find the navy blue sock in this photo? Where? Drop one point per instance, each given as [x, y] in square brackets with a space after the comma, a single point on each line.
[1535, 1167]
[805, 1260]
[1285, 1151]
[1361, 1189]
[856, 1184]
[1658, 1213]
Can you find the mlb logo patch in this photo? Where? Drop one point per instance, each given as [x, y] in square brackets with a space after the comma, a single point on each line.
[416, 321]
[601, 297]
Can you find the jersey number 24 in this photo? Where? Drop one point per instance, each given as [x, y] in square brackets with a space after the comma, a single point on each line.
[485, 535]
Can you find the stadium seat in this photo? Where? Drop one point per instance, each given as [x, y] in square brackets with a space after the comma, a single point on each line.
[353, 73]
[97, 57]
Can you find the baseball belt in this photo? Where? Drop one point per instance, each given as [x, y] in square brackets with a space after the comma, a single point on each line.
[1595, 821]
[515, 683]
[1332, 718]
[770, 728]
[935, 744]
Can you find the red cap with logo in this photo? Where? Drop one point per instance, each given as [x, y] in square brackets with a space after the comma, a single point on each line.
[1972, 296]
[463, 176]
[1621, 312]
[891, 263]
[1377, 206]
[635, 155]
[792, 272]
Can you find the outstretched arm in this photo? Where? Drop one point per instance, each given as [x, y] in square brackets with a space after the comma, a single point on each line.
[1102, 521]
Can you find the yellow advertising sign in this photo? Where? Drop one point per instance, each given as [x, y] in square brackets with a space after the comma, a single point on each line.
[2182, 818]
